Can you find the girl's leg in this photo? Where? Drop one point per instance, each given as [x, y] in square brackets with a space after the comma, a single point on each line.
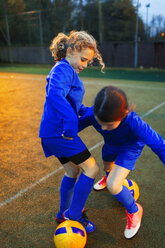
[134, 211]
[121, 193]
[83, 187]
[82, 160]
[67, 185]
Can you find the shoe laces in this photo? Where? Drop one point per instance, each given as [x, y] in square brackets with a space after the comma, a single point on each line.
[129, 219]
[84, 218]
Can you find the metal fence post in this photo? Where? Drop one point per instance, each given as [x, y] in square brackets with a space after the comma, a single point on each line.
[136, 37]
[41, 38]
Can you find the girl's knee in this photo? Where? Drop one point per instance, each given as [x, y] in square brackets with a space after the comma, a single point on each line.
[92, 171]
[90, 167]
[72, 172]
[113, 187]
[116, 178]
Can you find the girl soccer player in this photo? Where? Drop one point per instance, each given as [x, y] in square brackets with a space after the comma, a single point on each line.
[125, 135]
[59, 124]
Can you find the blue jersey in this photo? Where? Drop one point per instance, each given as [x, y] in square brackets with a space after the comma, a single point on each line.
[133, 134]
[63, 104]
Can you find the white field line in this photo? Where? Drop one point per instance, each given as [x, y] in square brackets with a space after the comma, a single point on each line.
[152, 110]
[40, 78]
[41, 180]
[126, 85]
[29, 187]
[60, 168]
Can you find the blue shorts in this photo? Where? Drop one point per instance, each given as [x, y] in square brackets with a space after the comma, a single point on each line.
[123, 156]
[60, 147]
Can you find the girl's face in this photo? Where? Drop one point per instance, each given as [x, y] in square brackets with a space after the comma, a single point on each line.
[79, 60]
[108, 125]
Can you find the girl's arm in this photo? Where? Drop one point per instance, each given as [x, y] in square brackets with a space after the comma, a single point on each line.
[85, 120]
[82, 110]
[59, 86]
[150, 137]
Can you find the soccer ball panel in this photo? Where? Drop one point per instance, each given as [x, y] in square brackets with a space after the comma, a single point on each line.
[133, 187]
[70, 234]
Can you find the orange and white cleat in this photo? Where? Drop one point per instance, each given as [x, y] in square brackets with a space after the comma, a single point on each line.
[101, 184]
[133, 222]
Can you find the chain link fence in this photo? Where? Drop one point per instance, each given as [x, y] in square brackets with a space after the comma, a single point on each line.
[25, 38]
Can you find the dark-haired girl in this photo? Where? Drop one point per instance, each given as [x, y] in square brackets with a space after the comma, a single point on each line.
[125, 135]
[59, 124]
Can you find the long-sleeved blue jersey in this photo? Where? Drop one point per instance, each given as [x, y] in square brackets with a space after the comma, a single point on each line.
[132, 133]
[63, 104]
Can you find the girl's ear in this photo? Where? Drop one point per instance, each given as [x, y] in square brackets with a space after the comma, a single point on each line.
[124, 113]
[127, 111]
[69, 51]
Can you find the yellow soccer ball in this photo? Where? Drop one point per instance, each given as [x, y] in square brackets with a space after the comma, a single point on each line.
[70, 234]
[133, 187]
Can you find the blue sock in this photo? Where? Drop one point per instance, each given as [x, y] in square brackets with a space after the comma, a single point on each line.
[128, 201]
[82, 190]
[66, 192]
[107, 173]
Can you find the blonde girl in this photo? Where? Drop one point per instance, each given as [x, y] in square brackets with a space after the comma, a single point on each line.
[59, 124]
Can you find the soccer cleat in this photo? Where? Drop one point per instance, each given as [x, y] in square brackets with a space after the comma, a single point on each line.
[133, 222]
[59, 217]
[87, 224]
[101, 184]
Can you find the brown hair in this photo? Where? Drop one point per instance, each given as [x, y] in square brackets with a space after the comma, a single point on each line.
[77, 40]
[111, 104]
